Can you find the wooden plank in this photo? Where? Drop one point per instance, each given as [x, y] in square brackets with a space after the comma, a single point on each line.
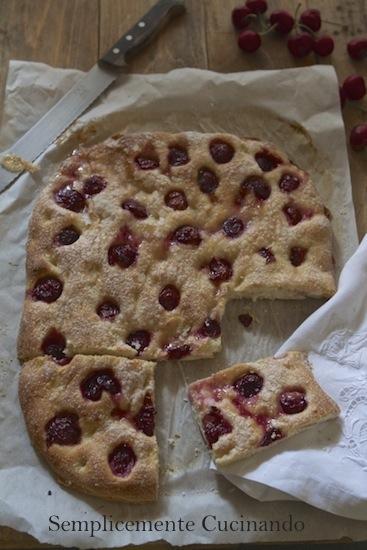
[180, 44]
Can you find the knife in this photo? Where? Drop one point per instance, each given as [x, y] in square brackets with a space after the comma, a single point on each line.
[88, 88]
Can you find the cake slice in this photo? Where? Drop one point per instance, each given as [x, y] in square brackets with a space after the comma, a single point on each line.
[93, 422]
[249, 406]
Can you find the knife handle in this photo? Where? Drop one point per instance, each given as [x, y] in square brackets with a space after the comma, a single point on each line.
[142, 32]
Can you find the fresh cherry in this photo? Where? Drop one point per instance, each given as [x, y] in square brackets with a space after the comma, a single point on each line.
[95, 383]
[139, 340]
[240, 17]
[249, 385]
[177, 156]
[144, 420]
[297, 255]
[108, 310]
[67, 236]
[220, 270]
[207, 180]
[47, 290]
[177, 351]
[293, 402]
[176, 200]
[233, 227]
[312, 19]
[358, 137]
[257, 6]
[63, 429]
[245, 319]
[210, 328]
[289, 182]
[357, 47]
[137, 209]
[69, 198]
[93, 185]
[215, 425]
[169, 297]
[267, 161]
[300, 45]
[249, 41]
[267, 254]
[187, 234]
[354, 87]
[323, 45]
[283, 21]
[122, 460]
[221, 151]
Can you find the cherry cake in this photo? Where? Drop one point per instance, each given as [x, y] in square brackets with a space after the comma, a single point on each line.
[137, 243]
[92, 420]
[247, 407]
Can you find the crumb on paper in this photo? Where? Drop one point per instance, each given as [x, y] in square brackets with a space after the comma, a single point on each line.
[177, 436]
[171, 442]
[197, 451]
[79, 134]
[15, 164]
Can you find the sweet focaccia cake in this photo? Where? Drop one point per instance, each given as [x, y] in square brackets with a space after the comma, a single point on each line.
[247, 407]
[93, 422]
[138, 242]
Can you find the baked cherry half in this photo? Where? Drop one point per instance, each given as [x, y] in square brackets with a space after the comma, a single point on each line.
[67, 197]
[63, 429]
[169, 297]
[108, 310]
[135, 207]
[207, 180]
[124, 251]
[93, 185]
[271, 435]
[293, 401]
[147, 162]
[297, 255]
[122, 460]
[293, 214]
[215, 425]
[221, 151]
[139, 340]
[177, 155]
[267, 161]
[95, 383]
[260, 188]
[220, 270]
[210, 329]
[289, 182]
[144, 420]
[187, 234]
[249, 385]
[67, 236]
[175, 350]
[267, 254]
[233, 227]
[47, 289]
[176, 200]
[54, 345]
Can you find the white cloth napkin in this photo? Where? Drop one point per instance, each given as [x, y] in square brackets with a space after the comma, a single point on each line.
[325, 466]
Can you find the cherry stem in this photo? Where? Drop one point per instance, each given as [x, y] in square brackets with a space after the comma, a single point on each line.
[304, 27]
[268, 29]
[297, 10]
[332, 23]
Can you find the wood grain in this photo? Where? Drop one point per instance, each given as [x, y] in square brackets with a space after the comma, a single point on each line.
[74, 33]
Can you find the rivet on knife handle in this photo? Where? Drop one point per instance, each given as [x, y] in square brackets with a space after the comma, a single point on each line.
[142, 32]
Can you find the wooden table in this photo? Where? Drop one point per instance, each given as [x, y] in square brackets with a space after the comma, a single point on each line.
[74, 33]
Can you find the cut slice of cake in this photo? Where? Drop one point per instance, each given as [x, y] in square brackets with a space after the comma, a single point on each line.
[249, 406]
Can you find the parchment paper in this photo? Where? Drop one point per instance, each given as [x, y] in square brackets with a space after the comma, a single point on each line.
[298, 110]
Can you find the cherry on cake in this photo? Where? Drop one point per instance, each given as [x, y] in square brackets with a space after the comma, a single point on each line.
[92, 420]
[247, 407]
[137, 244]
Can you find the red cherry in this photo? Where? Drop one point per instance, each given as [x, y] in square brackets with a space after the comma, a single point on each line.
[63, 429]
[240, 17]
[233, 227]
[245, 319]
[124, 255]
[354, 87]
[176, 200]
[69, 198]
[297, 255]
[270, 436]
[258, 185]
[288, 182]
[293, 402]
[215, 425]
[283, 20]
[358, 137]
[323, 45]
[257, 6]
[177, 351]
[220, 270]
[108, 310]
[187, 234]
[47, 290]
[249, 385]
[144, 420]
[267, 161]
[207, 180]
[249, 41]
[221, 151]
[139, 340]
[210, 329]
[312, 19]
[137, 209]
[342, 96]
[122, 460]
[357, 47]
[300, 45]
[93, 185]
[94, 384]
[267, 254]
[177, 156]
[169, 297]
[67, 236]
[54, 345]
[145, 162]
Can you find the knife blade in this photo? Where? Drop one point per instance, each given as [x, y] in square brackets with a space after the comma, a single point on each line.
[89, 87]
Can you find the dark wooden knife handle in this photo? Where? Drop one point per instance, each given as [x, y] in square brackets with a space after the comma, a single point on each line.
[142, 32]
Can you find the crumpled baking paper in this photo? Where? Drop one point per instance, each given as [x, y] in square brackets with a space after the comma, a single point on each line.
[297, 109]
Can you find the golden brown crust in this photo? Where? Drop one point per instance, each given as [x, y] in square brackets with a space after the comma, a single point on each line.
[47, 390]
[246, 415]
[88, 278]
